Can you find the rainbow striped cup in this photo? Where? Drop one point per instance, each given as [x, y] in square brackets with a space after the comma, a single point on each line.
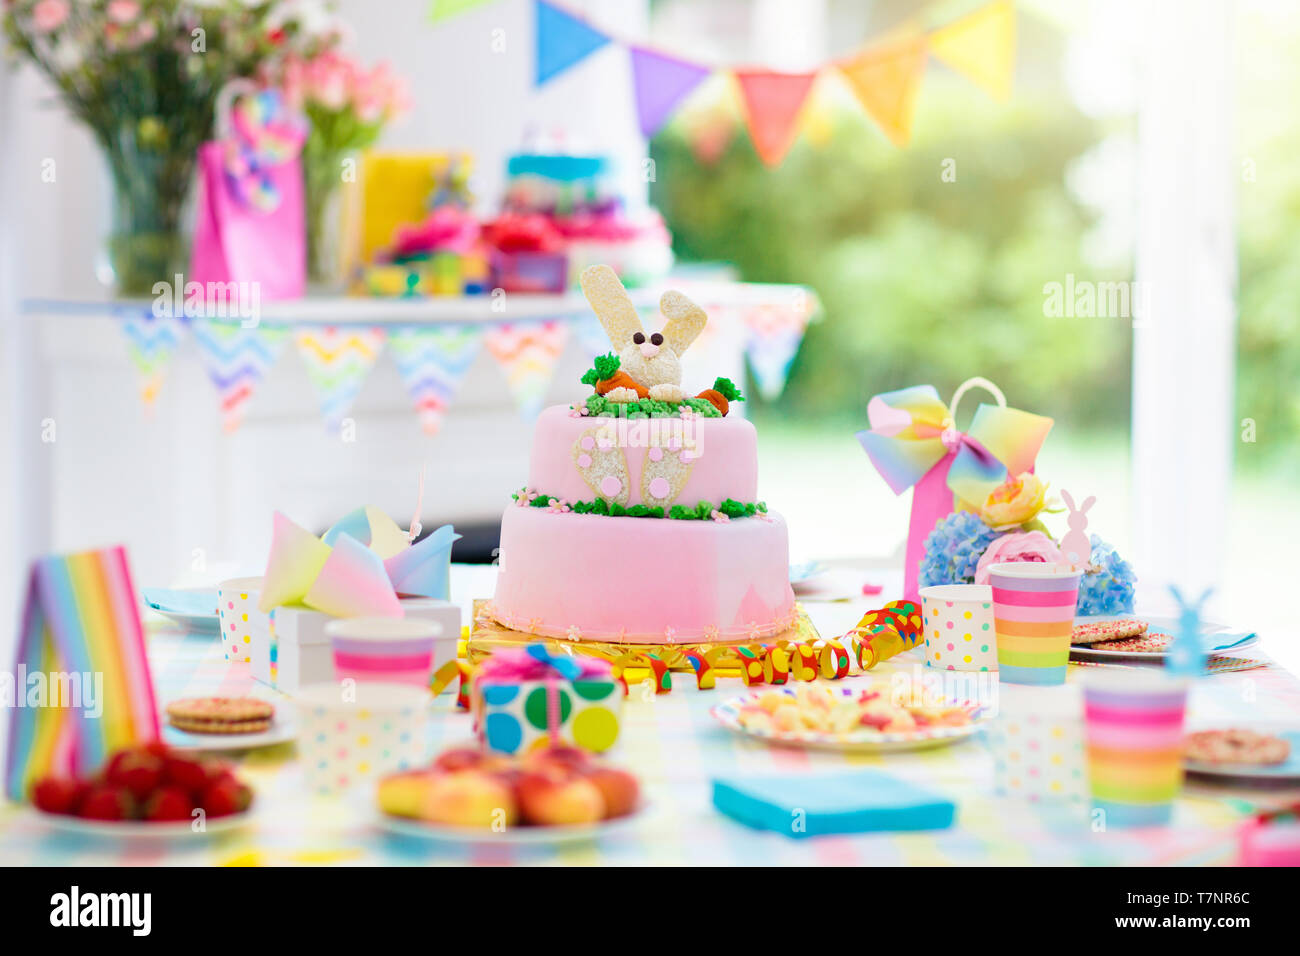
[392, 650]
[1134, 733]
[1033, 616]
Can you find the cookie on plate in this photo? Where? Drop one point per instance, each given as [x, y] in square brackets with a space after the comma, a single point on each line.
[1236, 746]
[1095, 632]
[1152, 641]
[220, 715]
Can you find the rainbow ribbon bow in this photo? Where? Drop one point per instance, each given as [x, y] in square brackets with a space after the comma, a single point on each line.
[535, 662]
[912, 431]
[264, 133]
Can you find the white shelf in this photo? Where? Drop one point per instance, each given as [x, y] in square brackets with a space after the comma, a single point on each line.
[416, 310]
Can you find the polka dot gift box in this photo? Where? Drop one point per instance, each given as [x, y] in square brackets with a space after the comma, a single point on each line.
[1037, 740]
[244, 629]
[959, 631]
[349, 735]
[525, 699]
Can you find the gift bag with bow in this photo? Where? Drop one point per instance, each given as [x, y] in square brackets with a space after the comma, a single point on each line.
[914, 443]
[529, 697]
[251, 225]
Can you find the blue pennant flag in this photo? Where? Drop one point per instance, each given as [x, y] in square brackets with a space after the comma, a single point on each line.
[562, 40]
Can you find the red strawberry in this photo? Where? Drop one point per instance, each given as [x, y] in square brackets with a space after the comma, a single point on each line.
[137, 770]
[169, 803]
[58, 794]
[186, 772]
[224, 798]
[107, 803]
[158, 749]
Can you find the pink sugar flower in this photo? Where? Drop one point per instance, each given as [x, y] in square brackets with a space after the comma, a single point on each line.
[711, 633]
[670, 632]
[574, 632]
[719, 517]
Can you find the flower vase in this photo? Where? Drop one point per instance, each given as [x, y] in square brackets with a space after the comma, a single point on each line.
[323, 172]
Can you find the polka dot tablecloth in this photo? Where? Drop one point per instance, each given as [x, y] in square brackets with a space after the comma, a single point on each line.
[245, 631]
[515, 717]
[959, 631]
[349, 737]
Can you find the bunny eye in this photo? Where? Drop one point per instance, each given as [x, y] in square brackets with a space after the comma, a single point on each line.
[657, 339]
[639, 338]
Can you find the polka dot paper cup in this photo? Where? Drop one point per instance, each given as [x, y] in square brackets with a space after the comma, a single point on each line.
[354, 735]
[1038, 745]
[959, 631]
[245, 631]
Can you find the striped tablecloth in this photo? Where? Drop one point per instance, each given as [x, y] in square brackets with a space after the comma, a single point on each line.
[676, 747]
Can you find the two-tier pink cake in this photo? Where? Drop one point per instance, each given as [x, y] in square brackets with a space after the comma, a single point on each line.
[640, 522]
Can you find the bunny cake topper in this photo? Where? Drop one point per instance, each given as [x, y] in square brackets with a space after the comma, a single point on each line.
[648, 364]
[1076, 545]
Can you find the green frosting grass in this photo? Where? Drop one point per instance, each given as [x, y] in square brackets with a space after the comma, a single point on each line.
[701, 512]
[599, 407]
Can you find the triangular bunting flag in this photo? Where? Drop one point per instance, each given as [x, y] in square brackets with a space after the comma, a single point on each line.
[591, 336]
[772, 103]
[446, 9]
[660, 83]
[527, 352]
[885, 80]
[433, 360]
[236, 360]
[151, 342]
[562, 40]
[338, 360]
[772, 338]
[981, 47]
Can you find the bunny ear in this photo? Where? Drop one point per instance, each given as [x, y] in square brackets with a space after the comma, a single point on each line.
[1068, 499]
[1091, 500]
[686, 321]
[610, 302]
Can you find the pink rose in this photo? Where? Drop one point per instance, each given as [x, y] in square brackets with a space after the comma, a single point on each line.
[49, 15]
[122, 11]
[1022, 546]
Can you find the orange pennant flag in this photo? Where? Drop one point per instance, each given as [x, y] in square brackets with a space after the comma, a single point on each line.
[981, 47]
[772, 105]
[885, 80]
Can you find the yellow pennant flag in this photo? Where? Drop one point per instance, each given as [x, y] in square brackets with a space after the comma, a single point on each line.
[981, 47]
[885, 80]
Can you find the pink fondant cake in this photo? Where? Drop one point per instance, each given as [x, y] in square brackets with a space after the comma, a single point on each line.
[640, 522]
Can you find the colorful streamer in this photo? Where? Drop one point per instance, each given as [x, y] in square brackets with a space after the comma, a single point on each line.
[432, 361]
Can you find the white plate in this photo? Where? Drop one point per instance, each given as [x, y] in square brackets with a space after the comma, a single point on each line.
[282, 729]
[510, 836]
[863, 741]
[178, 830]
[1288, 770]
[1211, 633]
[197, 623]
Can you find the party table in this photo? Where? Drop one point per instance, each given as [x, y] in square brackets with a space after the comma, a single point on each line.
[676, 747]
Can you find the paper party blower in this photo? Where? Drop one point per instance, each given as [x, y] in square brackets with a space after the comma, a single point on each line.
[81, 624]
[424, 569]
[295, 560]
[373, 528]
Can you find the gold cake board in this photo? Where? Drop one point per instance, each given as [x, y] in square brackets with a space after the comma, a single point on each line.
[488, 634]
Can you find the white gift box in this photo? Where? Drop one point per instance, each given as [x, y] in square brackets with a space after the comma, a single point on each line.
[299, 654]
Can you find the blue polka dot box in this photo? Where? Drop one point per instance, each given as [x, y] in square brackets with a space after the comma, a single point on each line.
[528, 698]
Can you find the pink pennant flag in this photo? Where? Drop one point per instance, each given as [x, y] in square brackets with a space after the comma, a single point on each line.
[772, 104]
[660, 83]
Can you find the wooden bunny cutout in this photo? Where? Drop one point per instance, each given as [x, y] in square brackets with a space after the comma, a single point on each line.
[1076, 545]
[649, 365]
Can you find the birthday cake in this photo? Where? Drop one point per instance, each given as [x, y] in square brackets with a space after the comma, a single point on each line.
[640, 521]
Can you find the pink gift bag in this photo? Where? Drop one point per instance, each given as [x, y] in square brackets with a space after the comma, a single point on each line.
[251, 225]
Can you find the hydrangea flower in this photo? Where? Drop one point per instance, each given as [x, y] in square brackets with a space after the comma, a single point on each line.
[953, 549]
[1108, 590]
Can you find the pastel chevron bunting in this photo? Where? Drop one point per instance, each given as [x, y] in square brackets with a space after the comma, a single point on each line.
[338, 360]
[527, 353]
[432, 361]
[591, 336]
[772, 337]
[236, 360]
[150, 342]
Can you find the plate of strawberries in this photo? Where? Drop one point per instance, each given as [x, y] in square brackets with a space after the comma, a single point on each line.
[150, 790]
[555, 795]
